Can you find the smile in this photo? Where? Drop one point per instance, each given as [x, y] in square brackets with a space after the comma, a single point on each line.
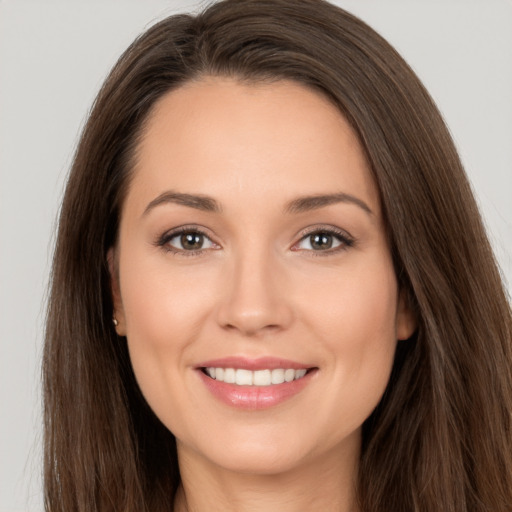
[244, 377]
[255, 384]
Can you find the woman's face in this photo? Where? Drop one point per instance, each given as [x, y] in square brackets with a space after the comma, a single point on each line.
[252, 248]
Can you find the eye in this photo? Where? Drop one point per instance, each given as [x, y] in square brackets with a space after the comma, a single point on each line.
[324, 240]
[186, 241]
[190, 241]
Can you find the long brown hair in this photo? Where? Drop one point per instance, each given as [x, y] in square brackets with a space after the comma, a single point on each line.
[441, 439]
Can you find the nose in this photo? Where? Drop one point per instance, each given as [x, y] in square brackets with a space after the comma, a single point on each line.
[254, 298]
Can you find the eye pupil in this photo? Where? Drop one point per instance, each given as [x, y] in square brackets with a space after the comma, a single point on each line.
[192, 241]
[321, 241]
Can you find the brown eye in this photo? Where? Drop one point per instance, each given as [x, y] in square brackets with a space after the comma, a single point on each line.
[320, 241]
[189, 241]
[192, 241]
[324, 241]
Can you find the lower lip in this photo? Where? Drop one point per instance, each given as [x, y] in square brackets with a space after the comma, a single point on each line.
[255, 397]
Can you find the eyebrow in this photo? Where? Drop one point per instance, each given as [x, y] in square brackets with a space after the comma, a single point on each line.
[308, 203]
[299, 205]
[199, 202]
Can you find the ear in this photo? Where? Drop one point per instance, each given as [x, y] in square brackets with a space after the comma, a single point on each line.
[405, 318]
[118, 313]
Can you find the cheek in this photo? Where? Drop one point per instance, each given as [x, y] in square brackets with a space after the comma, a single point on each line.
[164, 310]
[161, 300]
[355, 318]
[357, 305]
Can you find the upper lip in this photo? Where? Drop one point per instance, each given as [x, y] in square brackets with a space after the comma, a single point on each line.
[260, 363]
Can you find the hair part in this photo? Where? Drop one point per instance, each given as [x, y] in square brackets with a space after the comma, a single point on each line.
[441, 437]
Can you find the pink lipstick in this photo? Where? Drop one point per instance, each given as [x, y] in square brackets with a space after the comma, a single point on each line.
[254, 383]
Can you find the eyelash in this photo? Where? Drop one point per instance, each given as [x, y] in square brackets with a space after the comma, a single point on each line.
[346, 241]
[163, 240]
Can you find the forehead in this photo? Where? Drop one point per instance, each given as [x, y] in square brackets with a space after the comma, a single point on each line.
[220, 136]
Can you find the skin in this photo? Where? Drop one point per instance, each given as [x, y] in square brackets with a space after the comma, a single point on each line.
[257, 288]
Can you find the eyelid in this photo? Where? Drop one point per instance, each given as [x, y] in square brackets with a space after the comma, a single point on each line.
[163, 240]
[346, 239]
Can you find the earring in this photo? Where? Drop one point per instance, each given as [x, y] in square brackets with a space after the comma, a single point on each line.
[114, 320]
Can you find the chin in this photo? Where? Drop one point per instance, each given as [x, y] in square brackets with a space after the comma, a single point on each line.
[270, 451]
[270, 460]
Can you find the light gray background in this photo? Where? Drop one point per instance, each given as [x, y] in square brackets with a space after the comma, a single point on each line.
[54, 56]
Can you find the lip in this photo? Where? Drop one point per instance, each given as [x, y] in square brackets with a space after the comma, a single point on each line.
[260, 363]
[254, 397]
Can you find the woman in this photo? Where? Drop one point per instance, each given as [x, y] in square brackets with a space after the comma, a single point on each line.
[272, 289]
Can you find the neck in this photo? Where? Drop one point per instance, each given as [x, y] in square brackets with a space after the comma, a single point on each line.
[327, 483]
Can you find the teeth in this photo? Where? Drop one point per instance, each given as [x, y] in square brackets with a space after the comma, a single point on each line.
[262, 378]
[289, 375]
[242, 377]
[277, 376]
[229, 376]
[300, 373]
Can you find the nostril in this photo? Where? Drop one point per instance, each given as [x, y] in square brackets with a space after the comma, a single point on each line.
[252, 305]
[252, 327]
